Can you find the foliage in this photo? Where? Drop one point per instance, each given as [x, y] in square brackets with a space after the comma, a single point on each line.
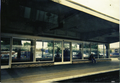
[26, 44]
[50, 44]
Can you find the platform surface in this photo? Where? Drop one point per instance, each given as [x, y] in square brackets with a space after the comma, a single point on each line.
[57, 72]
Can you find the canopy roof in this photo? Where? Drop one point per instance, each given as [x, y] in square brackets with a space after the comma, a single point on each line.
[50, 19]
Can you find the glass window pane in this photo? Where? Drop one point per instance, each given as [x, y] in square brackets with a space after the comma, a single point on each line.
[86, 50]
[5, 51]
[22, 50]
[94, 47]
[66, 45]
[44, 50]
[58, 51]
[66, 51]
[104, 52]
[76, 51]
[101, 50]
[39, 50]
[114, 50]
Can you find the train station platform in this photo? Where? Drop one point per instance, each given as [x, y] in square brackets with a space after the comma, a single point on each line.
[51, 74]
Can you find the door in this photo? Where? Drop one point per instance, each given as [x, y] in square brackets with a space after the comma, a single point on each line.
[5, 51]
[58, 51]
[66, 52]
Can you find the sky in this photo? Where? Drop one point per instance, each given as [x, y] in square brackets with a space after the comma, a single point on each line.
[115, 45]
[109, 7]
[112, 45]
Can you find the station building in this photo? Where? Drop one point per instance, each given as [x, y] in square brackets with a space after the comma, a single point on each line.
[52, 32]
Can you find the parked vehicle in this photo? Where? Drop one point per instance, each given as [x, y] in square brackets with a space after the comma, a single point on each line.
[77, 55]
[4, 56]
[101, 55]
[86, 55]
[113, 55]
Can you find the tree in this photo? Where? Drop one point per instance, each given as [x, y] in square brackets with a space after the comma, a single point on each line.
[50, 44]
[26, 44]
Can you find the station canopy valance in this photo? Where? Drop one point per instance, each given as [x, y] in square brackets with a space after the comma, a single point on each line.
[64, 19]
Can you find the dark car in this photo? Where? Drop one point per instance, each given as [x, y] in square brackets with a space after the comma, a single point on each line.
[114, 55]
[4, 56]
[96, 56]
[77, 55]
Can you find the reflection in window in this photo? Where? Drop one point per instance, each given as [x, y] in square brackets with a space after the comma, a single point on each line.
[94, 47]
[58, 51]
[114, 50]
[27, 12]
[66, 51]
[101, 51]
[104, 51]
[5, 51]
[44, 51]
[76, 51]
[22, 50]
[86, 50]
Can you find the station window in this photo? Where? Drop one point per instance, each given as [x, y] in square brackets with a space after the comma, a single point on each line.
[66, 51]
[44, 51]
[86, 50]
[5, 51]
[114, 50]
[22, 50]
[102, 51]
[76, 51]
[57, 51]
[94, 50]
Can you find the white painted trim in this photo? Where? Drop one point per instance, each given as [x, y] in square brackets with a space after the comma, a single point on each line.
[60, 63]
[5, 67]
[38, 37]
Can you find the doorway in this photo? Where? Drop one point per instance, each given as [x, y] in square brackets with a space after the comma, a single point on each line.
[61, 52]
[5, 52]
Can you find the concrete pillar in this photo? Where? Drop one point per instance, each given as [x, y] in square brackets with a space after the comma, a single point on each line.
[90, 49]
[62, 51]
[107, 50]
[10, 56]
[34, 51]
[53, 51]
[70, 51]
[42, 48]
[82, 50]
[97, 51]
